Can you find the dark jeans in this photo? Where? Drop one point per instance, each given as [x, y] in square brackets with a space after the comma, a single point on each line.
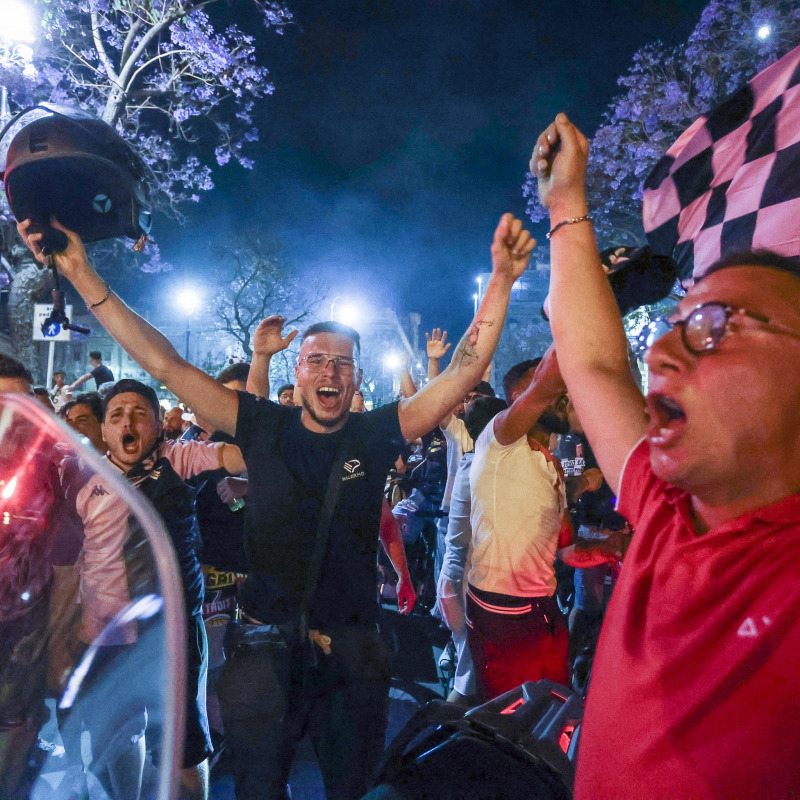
[342, 702]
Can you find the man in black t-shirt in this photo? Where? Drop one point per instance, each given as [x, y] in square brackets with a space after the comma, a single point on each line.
[342, 698]
[100, 372]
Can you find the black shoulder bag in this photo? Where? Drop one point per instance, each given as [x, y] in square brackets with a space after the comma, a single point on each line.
[257, 677]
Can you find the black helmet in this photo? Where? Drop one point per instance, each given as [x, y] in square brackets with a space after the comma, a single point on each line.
[66, 163]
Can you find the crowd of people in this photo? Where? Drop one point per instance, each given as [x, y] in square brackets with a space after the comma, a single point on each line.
[536, 506]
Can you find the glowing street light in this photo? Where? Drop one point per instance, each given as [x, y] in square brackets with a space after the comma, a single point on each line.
[763, 32]
[478, 296]
[349, 314]
[189, 299]
[18, 26]
[393, 361]
[17, 23]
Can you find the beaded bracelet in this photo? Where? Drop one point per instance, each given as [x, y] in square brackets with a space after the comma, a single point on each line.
[572, 221]
[100, 302]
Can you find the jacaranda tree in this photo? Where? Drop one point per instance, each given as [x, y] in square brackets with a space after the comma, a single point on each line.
[176, 78]
[663, 92]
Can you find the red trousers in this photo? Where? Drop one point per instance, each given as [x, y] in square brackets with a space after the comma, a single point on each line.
[515, 639]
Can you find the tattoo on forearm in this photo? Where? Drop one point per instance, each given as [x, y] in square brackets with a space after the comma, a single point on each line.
[466, 352]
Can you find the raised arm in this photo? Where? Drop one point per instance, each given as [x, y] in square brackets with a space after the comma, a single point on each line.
[436, 346]
[79, 382]
[586, 324]
[407, 385]
[543, 391]
[145, 345]
[267, 341]
[511, 251]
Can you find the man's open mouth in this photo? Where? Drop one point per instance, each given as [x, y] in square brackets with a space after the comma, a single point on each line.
[129, 442]
[667, 418]
[328, 395]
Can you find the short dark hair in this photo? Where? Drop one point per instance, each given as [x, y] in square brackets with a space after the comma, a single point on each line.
[96, 355]
[60, 372]
[332, 326]
[481, 412]
[235, 372]
[11, 368]
[516, 374]
[755, 258]
[485, 388]
[90, 399]
[137, 387]
[282, 389]
[41, 391]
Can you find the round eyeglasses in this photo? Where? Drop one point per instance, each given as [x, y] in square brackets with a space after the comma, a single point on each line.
[705, 327]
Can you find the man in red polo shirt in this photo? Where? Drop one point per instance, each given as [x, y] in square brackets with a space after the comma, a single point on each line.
[694, 692]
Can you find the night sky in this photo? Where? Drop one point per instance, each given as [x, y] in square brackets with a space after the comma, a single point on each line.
[400, 131]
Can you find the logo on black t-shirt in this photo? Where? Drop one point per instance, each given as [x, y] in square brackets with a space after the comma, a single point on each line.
[351, 467]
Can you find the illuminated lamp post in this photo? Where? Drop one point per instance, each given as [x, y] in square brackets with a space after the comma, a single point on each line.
[17, 33]
[188, 299]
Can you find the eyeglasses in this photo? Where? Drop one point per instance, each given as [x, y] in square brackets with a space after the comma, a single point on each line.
[705, 327]
[316, 362]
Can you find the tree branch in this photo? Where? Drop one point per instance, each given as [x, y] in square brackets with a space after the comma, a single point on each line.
[100, 47]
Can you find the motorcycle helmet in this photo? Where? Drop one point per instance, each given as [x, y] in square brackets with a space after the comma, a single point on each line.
[64, 162]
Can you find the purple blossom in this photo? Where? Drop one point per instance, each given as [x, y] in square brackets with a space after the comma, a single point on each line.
[211, 102]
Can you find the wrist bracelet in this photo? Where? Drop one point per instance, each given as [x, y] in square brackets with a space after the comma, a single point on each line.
[571, 221]
[100, 302]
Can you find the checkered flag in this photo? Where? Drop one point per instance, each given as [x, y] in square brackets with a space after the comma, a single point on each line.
[732, 179]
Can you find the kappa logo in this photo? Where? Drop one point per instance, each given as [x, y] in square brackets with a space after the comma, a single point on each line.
[750, 630]
[98, 491]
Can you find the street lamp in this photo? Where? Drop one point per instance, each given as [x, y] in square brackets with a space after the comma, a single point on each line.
[349, 314]
[478, 296]
[17, 22]
[188, 300]
[17, 31]
[393, 361]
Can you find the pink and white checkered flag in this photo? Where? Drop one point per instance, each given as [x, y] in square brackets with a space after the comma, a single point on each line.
[732, 179]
